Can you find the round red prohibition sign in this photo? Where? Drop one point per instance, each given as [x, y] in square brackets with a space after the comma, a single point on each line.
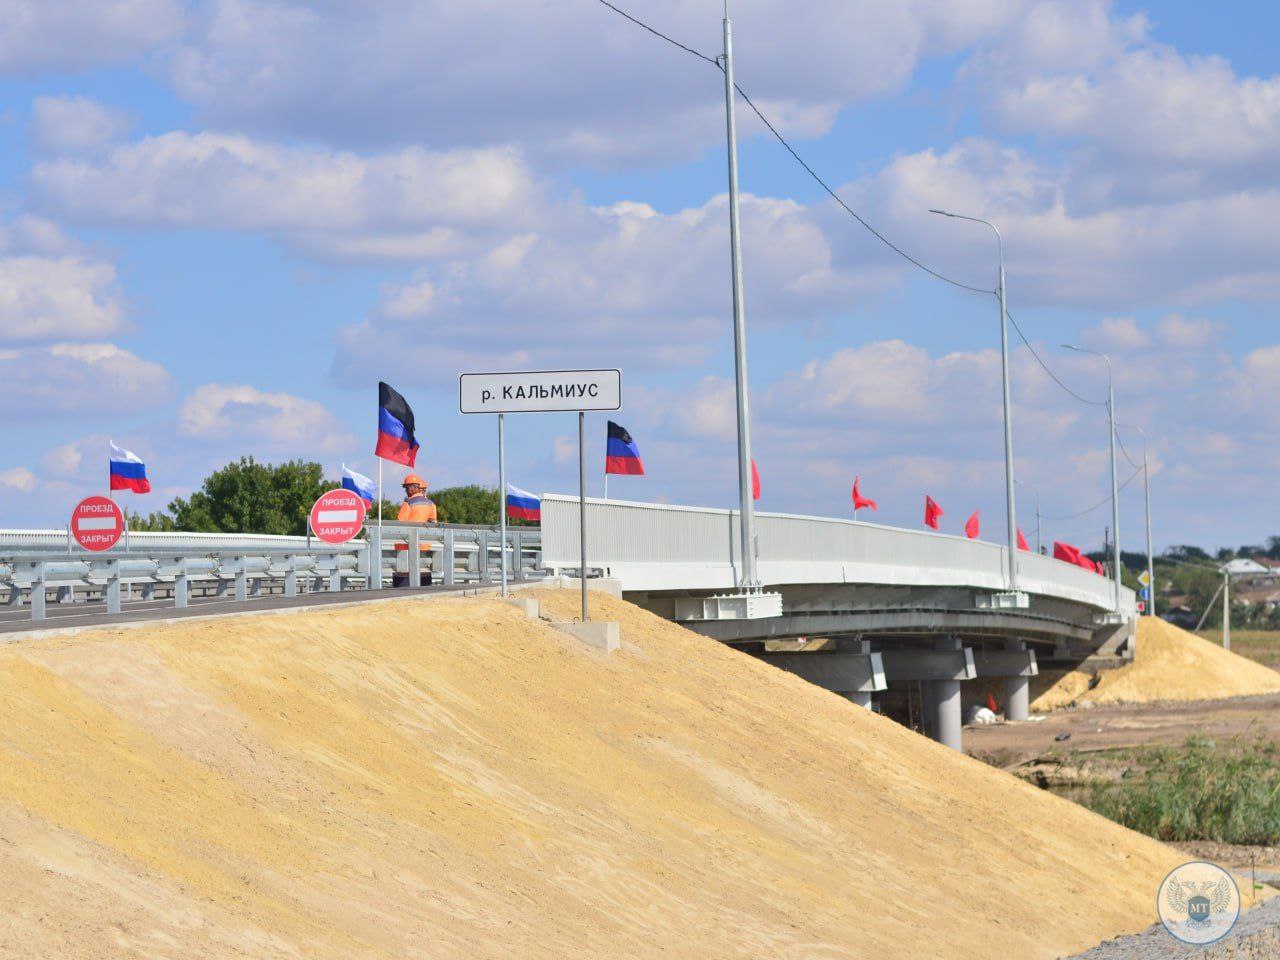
[337, 516]
[97, 523]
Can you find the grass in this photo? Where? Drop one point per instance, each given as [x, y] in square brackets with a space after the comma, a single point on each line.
[1262, 646]
[1203, 790]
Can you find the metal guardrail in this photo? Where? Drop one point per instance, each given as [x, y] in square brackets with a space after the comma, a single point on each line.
[661, 547]
[176, 565]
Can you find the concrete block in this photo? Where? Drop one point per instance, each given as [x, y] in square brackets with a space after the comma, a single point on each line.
[528, 605]
[599, 584]
[602, 634]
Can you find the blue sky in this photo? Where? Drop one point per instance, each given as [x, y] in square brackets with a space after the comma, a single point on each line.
[221, 223]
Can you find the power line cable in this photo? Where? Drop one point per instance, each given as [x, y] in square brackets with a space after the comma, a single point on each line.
[660, 35]
[800, 160]
[1124, 450]
[1102, 503]
[1047, 369]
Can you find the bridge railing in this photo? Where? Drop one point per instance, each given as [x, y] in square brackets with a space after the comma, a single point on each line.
[178, 566]
[662, 547]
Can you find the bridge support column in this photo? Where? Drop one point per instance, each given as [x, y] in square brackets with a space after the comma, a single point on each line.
[861, 698]
[945, 701]
[1017, 695]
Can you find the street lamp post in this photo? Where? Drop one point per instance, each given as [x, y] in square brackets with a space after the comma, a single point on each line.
[1115, 486]
[749, 580]
[1008, 414]
[1146, 494]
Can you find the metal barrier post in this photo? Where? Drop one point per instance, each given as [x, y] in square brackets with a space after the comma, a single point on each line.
[181, 588]
[37, 592]
[450, 559]
[113, 587]
[255, 587]
[482, 537]
[242, 580]
[148, 591]
[291, 578]
[517, 550]
[67, 594]
[375, 558]
[335, 575]
[415, 558]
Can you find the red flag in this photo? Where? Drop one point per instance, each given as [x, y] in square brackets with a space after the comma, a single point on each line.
[932, 513]
[973, 526]
[1022, 541]
[991, 702]
[859, 501]
[755, 481]
[1066, 553]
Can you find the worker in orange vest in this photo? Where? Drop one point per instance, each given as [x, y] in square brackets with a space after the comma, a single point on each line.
[417, 506]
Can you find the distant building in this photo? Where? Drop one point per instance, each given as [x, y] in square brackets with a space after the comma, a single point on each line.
[1246, 568]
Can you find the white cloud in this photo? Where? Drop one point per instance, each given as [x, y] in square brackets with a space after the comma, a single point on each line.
[353, 73]
[646, 287]
[398, 203]
[1149, 121]
[18, 478]
[75, 378]
[44, 298]
[74, 124]
[70, 35]
[277, 422]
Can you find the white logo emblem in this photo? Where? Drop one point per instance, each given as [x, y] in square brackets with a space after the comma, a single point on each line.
[1198, 903]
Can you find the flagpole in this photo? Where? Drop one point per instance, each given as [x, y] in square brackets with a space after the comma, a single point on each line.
[502, 498]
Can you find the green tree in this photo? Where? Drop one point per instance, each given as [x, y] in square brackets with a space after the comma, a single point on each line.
[472, 504]
[247, 497]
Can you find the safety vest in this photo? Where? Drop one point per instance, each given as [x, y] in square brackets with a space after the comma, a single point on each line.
[418, 509]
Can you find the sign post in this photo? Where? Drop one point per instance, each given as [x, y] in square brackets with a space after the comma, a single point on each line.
[97, 523]
[543, 391]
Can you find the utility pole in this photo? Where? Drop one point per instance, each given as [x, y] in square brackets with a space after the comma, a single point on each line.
[1010, 508]
[749, 580]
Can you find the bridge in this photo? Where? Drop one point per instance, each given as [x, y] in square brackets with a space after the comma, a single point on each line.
[903, 614]
[904, 620]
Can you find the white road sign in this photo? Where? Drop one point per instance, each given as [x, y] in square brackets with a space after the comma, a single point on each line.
[1144, 578]
[540, 391]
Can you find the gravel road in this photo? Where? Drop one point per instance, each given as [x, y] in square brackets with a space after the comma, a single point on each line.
[1255, 937]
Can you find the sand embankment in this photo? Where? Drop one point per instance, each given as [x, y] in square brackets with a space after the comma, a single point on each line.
[448, 779]
[1169, 664]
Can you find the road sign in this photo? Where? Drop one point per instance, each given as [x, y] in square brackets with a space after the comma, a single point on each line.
[1142, 607]
[540, 391]
[1144, 593]
[1144, 578]
[337, 516]
[97, 523]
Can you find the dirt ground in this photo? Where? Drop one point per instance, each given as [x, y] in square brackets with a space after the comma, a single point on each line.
[1113, 726]
[448, 779]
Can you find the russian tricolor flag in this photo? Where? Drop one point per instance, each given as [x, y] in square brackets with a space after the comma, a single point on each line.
[395, 428]
[359, 484]
[523, 505]
[128, 472]
[621, 454]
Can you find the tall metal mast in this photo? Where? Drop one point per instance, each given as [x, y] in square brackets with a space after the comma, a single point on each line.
[748, 580]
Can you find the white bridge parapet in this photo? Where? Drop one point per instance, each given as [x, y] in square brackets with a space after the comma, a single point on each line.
[656, 547]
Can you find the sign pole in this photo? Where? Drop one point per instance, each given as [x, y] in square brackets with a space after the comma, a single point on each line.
[502, 498]
[582, 512]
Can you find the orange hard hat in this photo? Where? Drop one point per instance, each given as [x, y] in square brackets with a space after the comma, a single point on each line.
[413, 479]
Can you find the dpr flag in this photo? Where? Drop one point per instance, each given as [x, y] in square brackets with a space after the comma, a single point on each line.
[621, 454]
[128, 472]
[396, 441]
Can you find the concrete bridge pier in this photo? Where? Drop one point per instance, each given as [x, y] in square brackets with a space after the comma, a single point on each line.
[1017, 689]
[945, 703]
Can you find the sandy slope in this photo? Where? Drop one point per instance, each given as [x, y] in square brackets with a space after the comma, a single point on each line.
[447, 779]
[1169, 664]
